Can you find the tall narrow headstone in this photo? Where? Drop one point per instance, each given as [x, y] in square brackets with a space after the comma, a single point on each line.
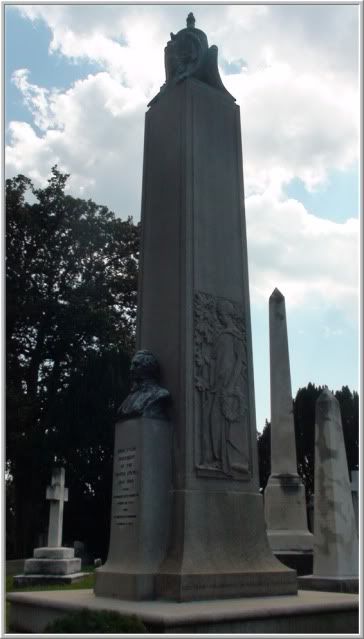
[53, 563]
[335, 557]
[194, 315]
[284, 498]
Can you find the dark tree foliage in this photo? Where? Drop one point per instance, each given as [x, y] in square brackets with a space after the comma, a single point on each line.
[264, 455]
[71, 281]
[304, 419]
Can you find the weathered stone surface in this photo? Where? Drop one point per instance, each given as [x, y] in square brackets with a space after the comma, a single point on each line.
[284, 496]
[335, 538]
[51, 566]
[329, 584]
[47, 580]
[140, 509]
[306, 613]
[53, 553]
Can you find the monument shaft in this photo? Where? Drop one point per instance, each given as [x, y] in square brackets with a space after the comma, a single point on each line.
[194, 315]
[194, 267]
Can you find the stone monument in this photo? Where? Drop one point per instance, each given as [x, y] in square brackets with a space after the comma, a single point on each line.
[335, 556]
[284, 497]
[53, 563]
[187, 530]
[194, 316]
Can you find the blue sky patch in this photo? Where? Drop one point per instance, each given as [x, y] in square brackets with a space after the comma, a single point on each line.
[26, 47]
[337, 200]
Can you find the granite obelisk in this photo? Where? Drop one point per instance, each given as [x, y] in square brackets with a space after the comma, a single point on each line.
[284, 497]
[194, 316]
[335, 555]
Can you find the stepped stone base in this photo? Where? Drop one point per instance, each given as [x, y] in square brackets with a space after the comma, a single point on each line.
[47, 580]
[330, 584]
[50, 565]
[304, 613]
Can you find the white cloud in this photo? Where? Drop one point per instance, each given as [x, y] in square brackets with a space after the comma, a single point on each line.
[95, 133]
[298, 96]
[313, 261]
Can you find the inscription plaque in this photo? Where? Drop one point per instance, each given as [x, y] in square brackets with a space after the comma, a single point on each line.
[125, 495]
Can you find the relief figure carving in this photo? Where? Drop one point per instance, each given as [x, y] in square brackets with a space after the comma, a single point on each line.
[221, 385]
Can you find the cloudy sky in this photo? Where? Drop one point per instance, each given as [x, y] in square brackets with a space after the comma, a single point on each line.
[77, 82]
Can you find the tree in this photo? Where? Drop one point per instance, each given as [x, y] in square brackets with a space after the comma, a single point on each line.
[264, 454]
[71, 273]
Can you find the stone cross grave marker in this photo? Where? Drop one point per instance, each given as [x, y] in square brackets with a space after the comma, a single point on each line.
[57, 494]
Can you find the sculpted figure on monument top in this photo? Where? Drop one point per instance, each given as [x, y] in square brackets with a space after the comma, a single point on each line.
[187, 55]
[146, 398]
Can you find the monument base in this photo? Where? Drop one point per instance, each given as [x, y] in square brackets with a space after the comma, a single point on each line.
[285, 514]
[220, 550]
[331, 584]
[304, 613]
[47, 580]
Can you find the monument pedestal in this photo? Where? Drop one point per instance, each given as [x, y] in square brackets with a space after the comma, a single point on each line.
[304, 613]
[285, 514]
[215, 559]
[140, 509]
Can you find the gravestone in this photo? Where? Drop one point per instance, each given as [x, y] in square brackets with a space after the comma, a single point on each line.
[52, 563]
[194, 316]
[335, 559]
[355, 495]
[284, 497]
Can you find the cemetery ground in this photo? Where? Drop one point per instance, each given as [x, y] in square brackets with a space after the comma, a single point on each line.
[87, 582]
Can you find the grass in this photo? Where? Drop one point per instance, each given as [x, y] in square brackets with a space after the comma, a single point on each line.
[87, 582]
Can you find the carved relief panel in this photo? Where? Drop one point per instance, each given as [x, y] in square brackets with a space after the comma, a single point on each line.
[221, 388]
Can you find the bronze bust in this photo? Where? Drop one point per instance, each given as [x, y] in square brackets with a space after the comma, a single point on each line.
[146, 398]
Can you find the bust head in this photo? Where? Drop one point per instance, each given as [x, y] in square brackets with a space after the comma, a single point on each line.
[144, 366]
[146, 398]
